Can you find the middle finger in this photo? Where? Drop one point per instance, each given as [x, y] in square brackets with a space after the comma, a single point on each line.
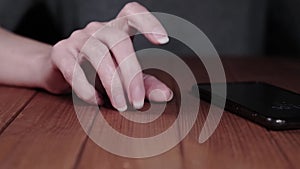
[121, 46]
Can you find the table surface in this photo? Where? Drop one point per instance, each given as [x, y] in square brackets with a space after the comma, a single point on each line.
[40, 130]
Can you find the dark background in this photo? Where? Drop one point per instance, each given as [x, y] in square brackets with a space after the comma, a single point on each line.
[260, 28]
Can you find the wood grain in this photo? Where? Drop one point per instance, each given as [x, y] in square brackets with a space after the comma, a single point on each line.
[46, 134]
[288, 143]
[94, 156]
[42, 130]
[12, 101]
[236, 143]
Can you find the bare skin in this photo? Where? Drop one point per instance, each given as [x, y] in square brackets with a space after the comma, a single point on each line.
[28, 63]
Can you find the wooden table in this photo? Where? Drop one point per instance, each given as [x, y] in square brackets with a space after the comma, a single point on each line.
[40, 130]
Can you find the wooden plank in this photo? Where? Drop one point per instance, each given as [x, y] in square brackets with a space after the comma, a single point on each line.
[289, 144]
[236, 143]
[46, 134]
[12, 101]
[94, 156]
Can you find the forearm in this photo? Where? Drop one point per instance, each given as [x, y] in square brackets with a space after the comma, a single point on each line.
[22, 60]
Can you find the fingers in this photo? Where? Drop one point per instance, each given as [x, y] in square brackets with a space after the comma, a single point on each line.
[116, 37]
[120, 70]
[138, 17]
[74, 75]
[156, 90]
[121, 46]
[99, 56]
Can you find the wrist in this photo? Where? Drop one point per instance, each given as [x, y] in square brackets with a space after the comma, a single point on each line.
[40, 65]
[50, 78]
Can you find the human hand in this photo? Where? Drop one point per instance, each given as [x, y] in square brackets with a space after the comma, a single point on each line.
[106, 46]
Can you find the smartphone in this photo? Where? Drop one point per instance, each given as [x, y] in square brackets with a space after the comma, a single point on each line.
[267, 105]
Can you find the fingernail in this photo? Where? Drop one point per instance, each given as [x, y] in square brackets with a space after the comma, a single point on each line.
[162, 39]
[120, 103]
[138, 96]
[160, 96]
[160, 36]
[138, 104]
[122, 109]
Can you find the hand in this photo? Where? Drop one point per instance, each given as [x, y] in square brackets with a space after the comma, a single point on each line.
[106, 46]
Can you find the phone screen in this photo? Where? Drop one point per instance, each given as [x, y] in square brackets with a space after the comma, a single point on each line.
[268, 105]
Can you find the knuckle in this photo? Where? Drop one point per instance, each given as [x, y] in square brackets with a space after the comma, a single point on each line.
[96, 46]
[93, 24]
[130, 7]
[61, 44]
[76, 33]
[60, 48]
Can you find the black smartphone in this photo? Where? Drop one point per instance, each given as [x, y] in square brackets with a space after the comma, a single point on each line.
[270, 106]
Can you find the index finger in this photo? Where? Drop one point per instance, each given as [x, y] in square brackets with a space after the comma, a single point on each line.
[139, 18]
